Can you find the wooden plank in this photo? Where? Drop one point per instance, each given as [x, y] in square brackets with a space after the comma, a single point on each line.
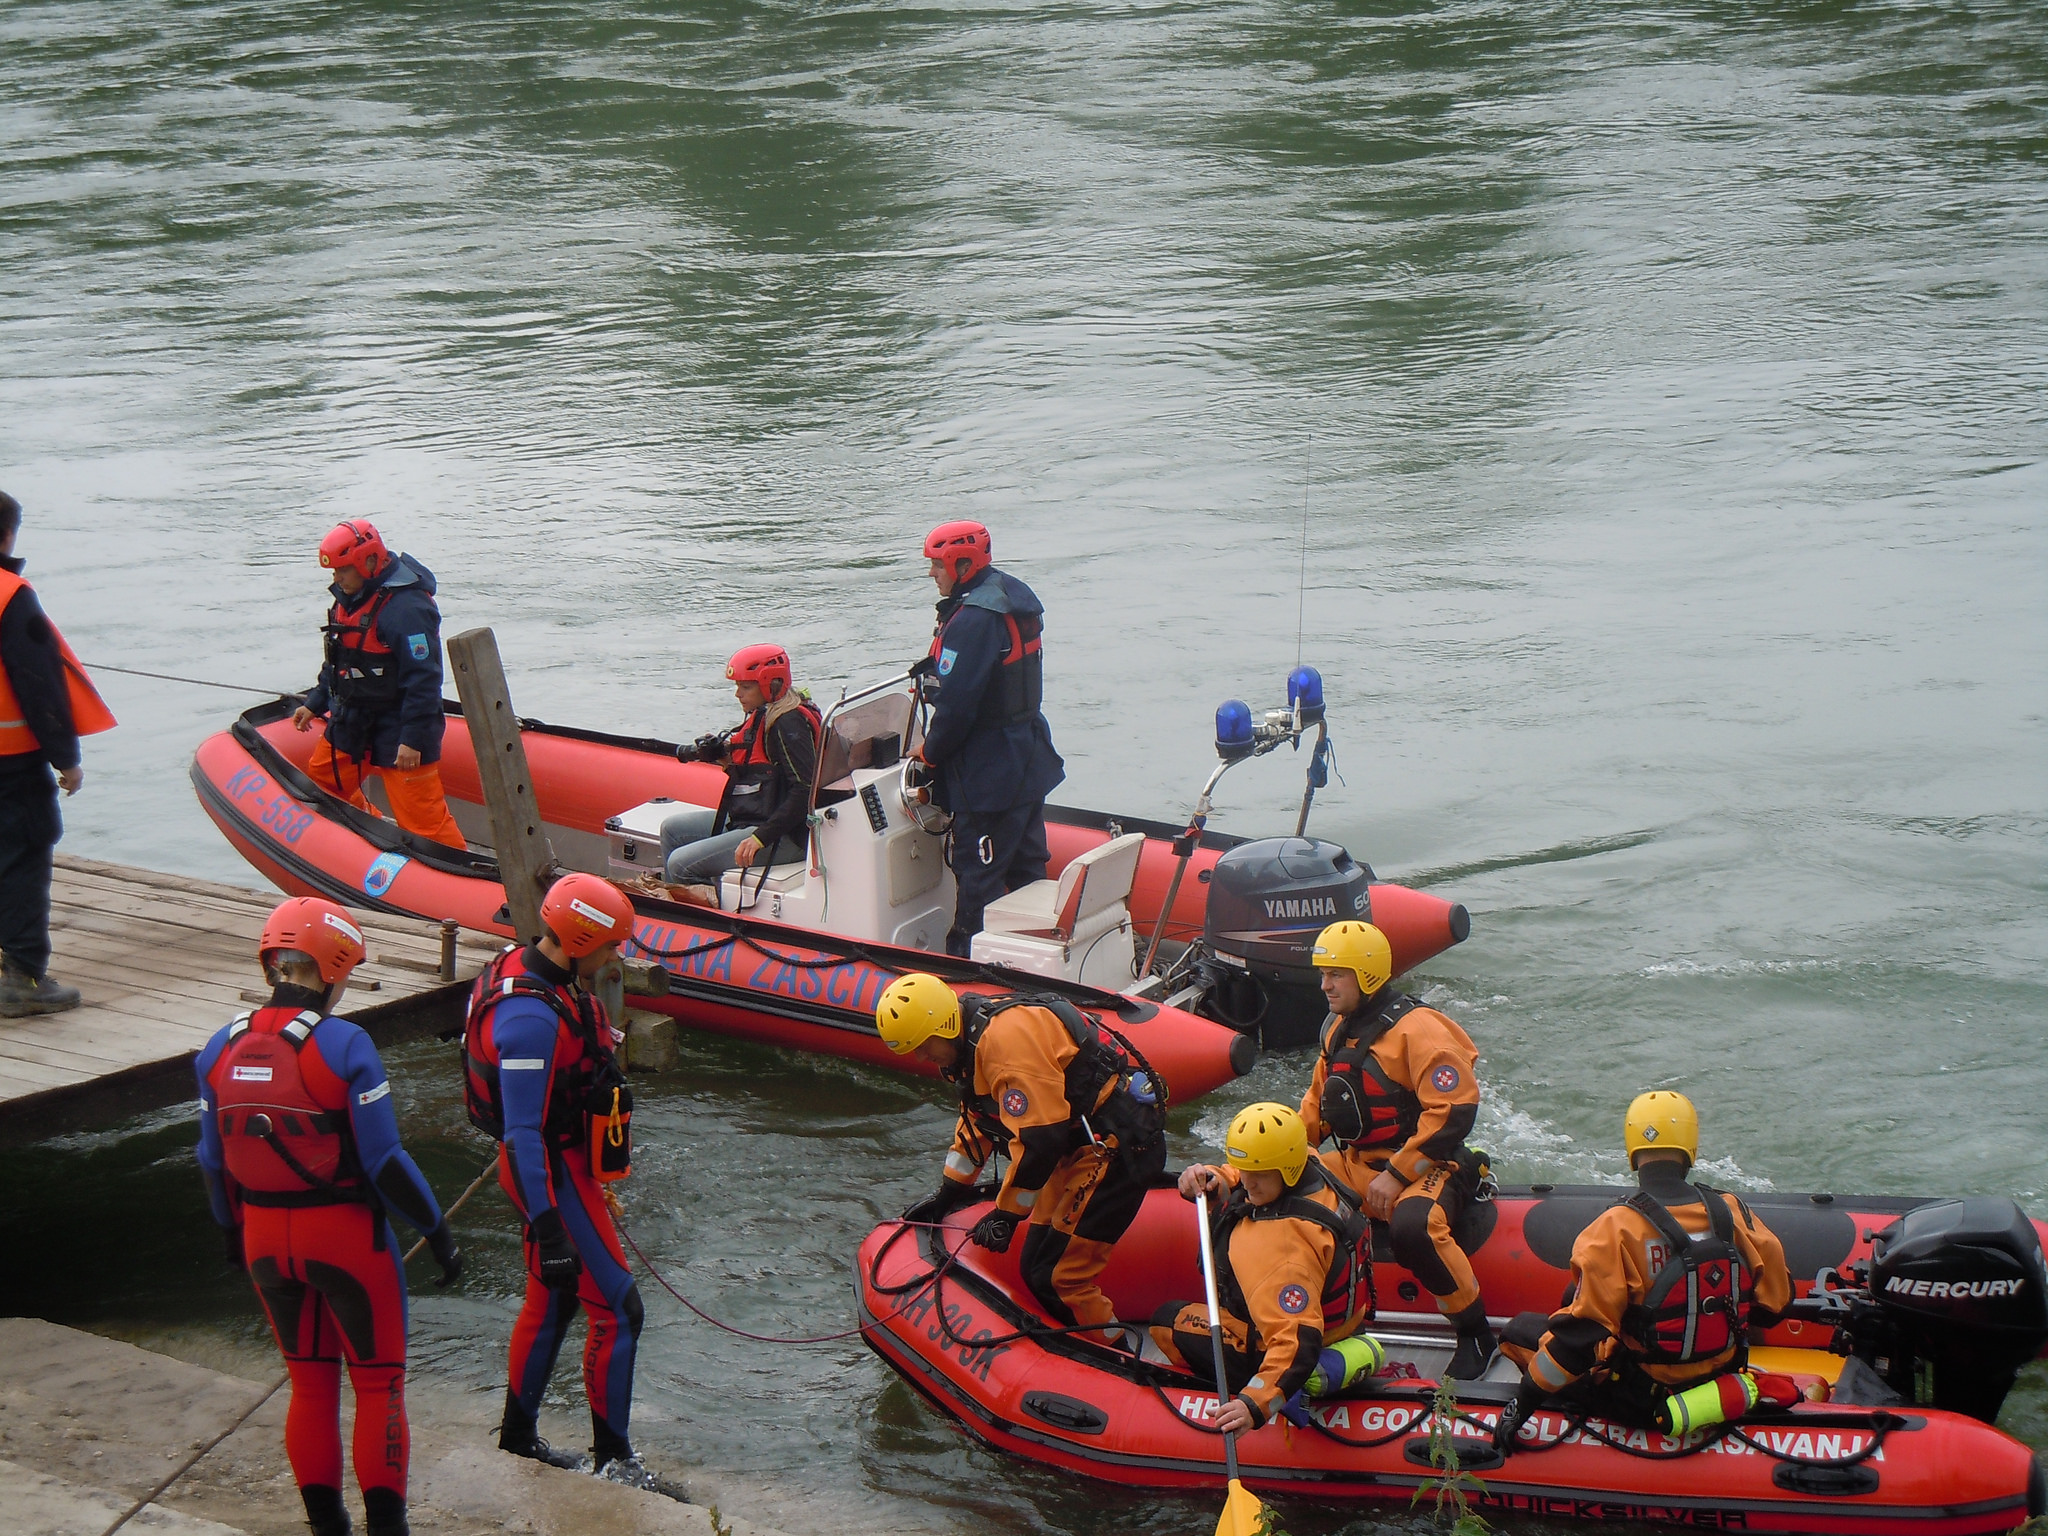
[163, 962]
[108, 956]
[225, 921]
[525, 860]
[102, 883]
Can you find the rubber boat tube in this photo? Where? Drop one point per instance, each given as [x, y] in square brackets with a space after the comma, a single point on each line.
[958, 1324]
[730, 973]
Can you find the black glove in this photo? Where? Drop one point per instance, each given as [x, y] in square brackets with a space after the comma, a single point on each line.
[441, 1244]
[925, 666]
[231, 1247]
[1527, 1399]
[994, 1231]
[941, 1203]
[559, 1266]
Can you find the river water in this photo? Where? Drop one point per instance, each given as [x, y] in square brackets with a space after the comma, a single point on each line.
[1637, 413]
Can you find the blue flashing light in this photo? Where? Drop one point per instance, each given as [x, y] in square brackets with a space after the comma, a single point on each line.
[1233, 729]
[1305, 688]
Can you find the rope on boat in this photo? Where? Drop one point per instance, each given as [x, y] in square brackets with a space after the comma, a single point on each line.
[196, 682]
[931, 1280]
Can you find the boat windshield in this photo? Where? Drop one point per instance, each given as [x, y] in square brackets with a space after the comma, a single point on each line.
[877, 726]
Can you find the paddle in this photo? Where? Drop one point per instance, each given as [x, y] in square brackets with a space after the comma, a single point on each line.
[1243, 1514]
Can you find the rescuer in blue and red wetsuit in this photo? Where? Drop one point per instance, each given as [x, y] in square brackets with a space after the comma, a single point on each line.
[299, 1146]
[540, 1077]
[987, 738]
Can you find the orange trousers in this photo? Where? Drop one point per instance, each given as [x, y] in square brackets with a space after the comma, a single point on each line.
[417, 800]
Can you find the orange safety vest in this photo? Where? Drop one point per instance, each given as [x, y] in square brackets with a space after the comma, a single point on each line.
[89, 712]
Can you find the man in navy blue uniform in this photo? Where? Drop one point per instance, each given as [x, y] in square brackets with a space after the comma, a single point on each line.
[46, 704]
[380, 684]
[988, 740]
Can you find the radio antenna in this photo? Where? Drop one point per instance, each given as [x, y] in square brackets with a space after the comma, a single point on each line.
[1301, 591]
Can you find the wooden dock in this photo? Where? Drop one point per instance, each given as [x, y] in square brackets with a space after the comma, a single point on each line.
[164, 961]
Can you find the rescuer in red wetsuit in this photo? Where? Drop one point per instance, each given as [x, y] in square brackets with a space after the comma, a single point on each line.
[299, 1146]
[539, 1075]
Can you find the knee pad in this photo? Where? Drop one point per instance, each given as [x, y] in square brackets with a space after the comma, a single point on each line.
[631, 1310]
[1409, 1232]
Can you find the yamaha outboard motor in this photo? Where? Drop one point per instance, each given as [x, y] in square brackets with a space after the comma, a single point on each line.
[1267, 902]
[1956, 1304]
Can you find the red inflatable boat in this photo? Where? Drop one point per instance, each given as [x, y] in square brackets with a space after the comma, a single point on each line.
[798, 954]
[958, 1324]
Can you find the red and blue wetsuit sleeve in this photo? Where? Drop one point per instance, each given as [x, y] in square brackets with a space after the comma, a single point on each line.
[212, 1164]
[525, 1033]
[350, 1056]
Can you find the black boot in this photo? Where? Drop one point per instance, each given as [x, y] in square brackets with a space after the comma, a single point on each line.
[384, 1513]
[518, 1433]
[1475, 1344]
[325, 1512]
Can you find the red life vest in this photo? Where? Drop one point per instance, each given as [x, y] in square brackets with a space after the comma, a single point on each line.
[1361, 1106]
[1018, 688]
[359, 662]
[755, 781]
[584, 1068]
[1698, 1305]
[285, 1142]
[89, 712]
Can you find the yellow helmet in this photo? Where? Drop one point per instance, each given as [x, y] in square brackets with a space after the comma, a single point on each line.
[1661, 1118]
[915, 1007]
[1268, 1136]
[1359, 948]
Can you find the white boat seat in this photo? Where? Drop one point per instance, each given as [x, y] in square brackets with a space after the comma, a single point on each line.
[738, 886]
[1092, 884]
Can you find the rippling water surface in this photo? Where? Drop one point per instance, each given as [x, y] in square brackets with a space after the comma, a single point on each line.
[1661, 391]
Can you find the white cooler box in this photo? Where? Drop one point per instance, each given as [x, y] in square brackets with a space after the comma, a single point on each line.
[634, 836]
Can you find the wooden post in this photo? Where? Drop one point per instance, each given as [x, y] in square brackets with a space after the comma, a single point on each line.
[526, 861]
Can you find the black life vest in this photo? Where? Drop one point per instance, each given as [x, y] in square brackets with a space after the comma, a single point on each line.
[362, 669]
[1350, 1272]
[1361, 1106]
[1698, 1304]
[281, 1145]
[756, 780]
[586, 1073]
[1097, 1062]
[1017, 691]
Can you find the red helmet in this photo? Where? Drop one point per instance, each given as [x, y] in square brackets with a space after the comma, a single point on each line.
[585, 913]
[767, 666]
[355, 544]
[954, 542]
[314, 926]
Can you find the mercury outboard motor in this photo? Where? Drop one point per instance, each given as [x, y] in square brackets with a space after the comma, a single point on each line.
[1955, 1302]
[1267, 902]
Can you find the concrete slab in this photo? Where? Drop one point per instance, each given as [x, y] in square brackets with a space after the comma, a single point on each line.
[97, 1414]
[37, 1504]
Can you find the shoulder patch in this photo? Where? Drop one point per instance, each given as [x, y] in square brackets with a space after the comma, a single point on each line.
[417, 644]
[376, 1093]
[1444, 1079]
[1015, 1103]
[947, 657]
[1293, 1299]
